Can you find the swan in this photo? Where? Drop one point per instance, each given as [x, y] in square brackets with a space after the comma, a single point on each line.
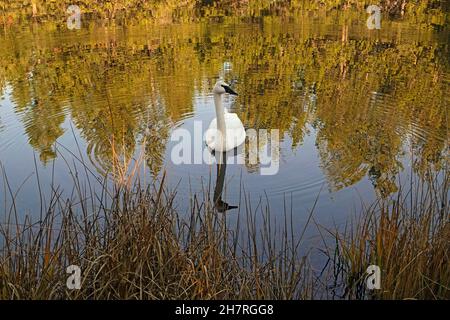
[226, 131]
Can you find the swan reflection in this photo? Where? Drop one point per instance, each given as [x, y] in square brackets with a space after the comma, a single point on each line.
[221, 205]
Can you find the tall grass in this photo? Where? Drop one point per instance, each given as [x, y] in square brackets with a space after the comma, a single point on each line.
[131, 242]
[407, 236]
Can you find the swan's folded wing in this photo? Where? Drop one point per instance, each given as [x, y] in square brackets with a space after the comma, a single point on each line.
[235, 130]
[232, 121]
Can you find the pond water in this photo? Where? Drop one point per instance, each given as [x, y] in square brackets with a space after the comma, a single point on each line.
[358, 111]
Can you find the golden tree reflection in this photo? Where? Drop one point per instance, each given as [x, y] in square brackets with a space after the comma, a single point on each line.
[365, 97]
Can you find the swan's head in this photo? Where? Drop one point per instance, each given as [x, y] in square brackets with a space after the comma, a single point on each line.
[221, 88]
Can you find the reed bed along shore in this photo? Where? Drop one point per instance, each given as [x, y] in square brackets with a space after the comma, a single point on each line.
[408, 237]
[132, 243]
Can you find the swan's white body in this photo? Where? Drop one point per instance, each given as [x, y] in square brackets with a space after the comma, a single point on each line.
[226, 131]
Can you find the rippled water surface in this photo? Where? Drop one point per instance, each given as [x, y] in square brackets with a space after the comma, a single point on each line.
[358, 111]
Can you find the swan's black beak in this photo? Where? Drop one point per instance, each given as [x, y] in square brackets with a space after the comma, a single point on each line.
[229, 90]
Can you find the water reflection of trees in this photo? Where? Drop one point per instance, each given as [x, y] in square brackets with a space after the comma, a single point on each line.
[125, 87]
[165, 11]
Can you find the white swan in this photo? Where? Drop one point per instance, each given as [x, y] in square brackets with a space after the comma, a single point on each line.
[226, 131]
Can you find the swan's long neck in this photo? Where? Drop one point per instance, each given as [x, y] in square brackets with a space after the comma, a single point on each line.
[220, 113]
[221, 128]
